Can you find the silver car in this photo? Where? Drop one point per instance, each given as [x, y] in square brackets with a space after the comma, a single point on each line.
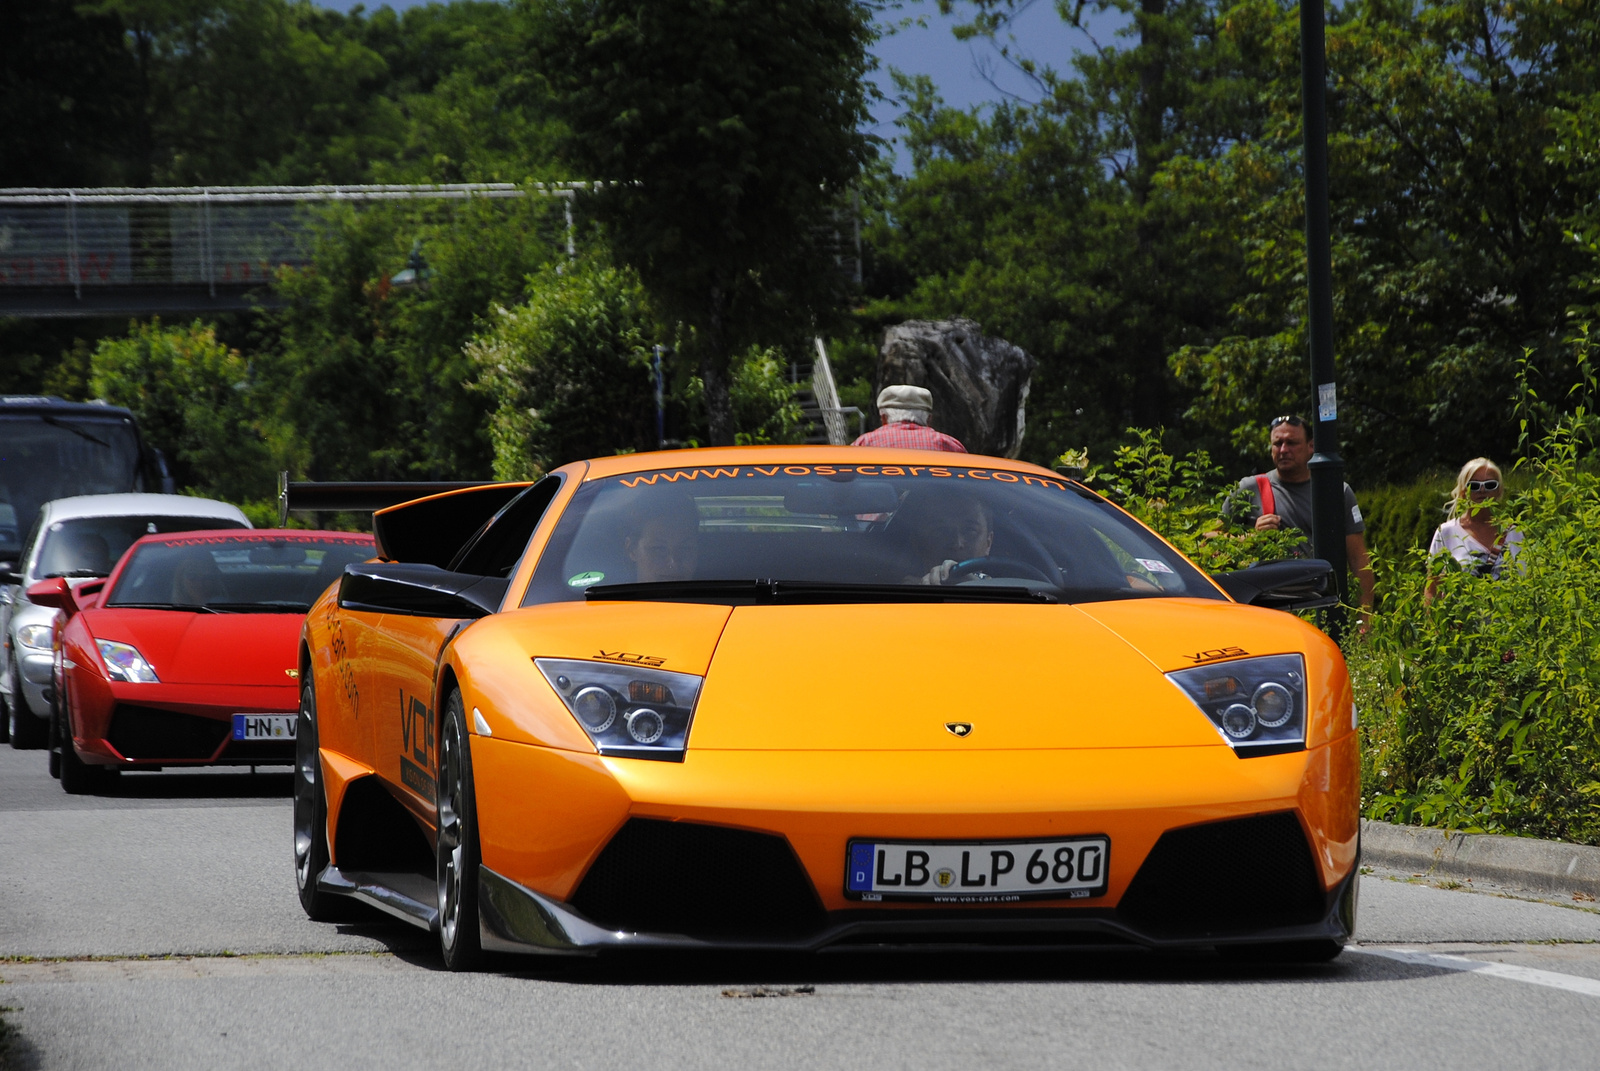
[77, 538]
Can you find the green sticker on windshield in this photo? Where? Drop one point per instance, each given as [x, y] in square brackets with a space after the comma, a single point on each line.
[583, 580]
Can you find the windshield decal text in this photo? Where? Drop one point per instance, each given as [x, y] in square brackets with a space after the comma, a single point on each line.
[757, 471]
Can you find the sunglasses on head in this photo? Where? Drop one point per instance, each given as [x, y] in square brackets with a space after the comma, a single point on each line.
[1291, 420]
[1483, 485]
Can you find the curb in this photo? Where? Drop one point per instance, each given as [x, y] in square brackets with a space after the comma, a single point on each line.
[1543, 866]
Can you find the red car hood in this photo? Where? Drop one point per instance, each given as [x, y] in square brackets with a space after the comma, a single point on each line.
[190, 648]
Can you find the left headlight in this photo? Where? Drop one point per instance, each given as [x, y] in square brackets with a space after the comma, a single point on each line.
[1257, 704]
[125, 663]
[34, 636]
[625, 710]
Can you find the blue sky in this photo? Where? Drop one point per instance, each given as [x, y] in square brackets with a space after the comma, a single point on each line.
[968, 74]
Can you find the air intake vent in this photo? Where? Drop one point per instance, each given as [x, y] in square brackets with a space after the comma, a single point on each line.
[700, 881]
[151, 733]
[1226, 877]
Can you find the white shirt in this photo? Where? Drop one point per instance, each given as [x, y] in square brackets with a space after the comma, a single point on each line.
[1452, 537]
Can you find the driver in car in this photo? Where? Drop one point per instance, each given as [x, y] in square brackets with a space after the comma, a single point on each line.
[197, 580]
[944, 534]
[666, 545]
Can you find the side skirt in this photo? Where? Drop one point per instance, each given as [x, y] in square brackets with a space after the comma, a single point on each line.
[412, 898]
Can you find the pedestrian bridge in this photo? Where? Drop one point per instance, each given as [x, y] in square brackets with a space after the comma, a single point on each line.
[118, 251]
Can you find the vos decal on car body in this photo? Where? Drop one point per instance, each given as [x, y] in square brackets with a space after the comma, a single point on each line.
[416, 742]
[1216, 653]
[340, 651]
[626, 659]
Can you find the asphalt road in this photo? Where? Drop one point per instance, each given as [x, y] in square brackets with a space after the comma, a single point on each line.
[193, 870]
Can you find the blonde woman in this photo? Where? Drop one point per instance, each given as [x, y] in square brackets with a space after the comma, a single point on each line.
[1472, 536]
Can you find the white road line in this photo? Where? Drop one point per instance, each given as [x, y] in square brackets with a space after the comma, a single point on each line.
[1589, 987]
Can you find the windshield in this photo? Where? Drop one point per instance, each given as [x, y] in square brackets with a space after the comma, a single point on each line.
[49, 457]
[251, 574]
[900, 531]
[90, 546]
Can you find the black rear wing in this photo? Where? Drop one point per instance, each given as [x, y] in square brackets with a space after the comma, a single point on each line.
[438, 519]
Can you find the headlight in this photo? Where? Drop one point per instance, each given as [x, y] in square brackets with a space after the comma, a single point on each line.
[1257, 704]
[125, 663]
[35, 636]
[627, 711]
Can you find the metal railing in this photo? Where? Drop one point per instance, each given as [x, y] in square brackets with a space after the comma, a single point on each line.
[210, 236]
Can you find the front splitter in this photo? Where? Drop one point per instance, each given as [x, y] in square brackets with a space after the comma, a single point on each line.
[513, 918]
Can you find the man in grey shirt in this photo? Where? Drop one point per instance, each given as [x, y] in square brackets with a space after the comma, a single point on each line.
[1288, 487]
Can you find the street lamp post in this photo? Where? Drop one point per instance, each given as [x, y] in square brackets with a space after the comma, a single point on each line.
[1327, 467]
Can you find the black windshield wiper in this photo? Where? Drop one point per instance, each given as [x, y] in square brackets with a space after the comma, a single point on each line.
[59, 423]
[75, 574]
[188, 608]
[257, 607]
[803, 592]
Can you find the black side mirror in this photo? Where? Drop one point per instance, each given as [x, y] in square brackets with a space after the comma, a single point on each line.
[419, 590]
[1294, 584]
[9, 573]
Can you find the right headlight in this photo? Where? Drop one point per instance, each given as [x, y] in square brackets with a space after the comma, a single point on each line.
[125, 663]
[1258, 705]
[627, 711]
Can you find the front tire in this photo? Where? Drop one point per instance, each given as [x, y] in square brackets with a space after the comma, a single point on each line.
[458, 854]
[311, 817]
[26, 731]
[79, 778]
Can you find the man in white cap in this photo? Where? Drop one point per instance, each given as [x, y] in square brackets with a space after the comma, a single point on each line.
[903, 412]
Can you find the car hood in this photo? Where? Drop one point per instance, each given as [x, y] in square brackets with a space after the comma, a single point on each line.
[899, 677]
[189, 648]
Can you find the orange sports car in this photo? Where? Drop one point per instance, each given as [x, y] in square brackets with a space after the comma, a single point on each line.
[808, 697]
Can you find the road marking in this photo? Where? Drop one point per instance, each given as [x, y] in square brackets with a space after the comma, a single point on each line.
[1589, 987]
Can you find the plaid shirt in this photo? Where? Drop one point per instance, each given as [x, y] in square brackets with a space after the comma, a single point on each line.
[906, 435]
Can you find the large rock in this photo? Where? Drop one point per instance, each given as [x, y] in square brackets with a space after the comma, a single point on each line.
[979, 384]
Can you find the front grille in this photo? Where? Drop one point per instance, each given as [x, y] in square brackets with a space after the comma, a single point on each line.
[700, 881]
[151, 733]
[1244, 874]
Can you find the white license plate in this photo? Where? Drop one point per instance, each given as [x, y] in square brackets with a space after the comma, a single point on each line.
[978, 872]
[264, 726]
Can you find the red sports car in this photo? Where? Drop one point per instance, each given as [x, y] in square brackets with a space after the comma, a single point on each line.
[187, 655]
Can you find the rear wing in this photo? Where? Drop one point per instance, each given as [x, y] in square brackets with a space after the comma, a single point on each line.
[412, 521]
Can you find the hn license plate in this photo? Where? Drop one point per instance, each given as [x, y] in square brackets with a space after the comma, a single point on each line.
[264, 726]
[978, 872]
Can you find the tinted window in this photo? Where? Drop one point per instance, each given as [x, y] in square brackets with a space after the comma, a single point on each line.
[496, 550]
[857, 524]
[63, 456]
[91, 546]
[260, 574]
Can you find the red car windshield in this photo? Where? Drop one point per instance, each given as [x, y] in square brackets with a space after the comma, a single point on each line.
[253, 574]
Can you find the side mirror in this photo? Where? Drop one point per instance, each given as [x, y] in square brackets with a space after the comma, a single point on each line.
[1295, 584]
[55, 593]
[419, 590]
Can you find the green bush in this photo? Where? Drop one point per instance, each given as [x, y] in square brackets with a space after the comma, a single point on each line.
[1479, 704]
[1183, 498]
[568, 371]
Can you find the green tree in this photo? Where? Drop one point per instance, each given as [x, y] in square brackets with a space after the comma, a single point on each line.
[1052, 222]
[378, 374]
[1450, 253]
[568, 370]
[196, 400]
[728, 133]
